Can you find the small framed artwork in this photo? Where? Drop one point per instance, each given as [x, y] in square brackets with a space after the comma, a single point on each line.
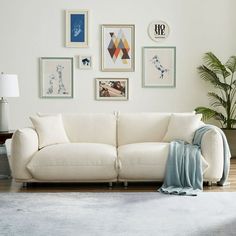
[111, 89]
[77, 28]
[159, 67]
[56, 77]
[158, 30]
[85, 62]
[118, 48]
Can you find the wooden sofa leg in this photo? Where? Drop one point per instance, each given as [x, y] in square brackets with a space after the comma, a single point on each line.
[125, 184]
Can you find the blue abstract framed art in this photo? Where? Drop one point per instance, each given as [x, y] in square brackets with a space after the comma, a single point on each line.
[77, 28]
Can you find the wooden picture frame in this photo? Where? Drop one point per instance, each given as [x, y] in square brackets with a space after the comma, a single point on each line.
[77, 28]
[118, 48]
[112, 89]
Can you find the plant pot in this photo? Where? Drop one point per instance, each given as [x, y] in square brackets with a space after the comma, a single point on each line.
[231, 137]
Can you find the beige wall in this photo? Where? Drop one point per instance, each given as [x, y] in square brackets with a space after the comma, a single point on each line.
[30, 29]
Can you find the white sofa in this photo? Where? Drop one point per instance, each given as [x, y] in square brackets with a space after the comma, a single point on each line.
[106, 148]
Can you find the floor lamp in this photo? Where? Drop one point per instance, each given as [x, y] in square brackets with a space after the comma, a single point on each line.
[8, 88]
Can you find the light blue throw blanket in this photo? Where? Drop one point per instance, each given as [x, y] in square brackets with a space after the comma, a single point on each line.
[184, 175]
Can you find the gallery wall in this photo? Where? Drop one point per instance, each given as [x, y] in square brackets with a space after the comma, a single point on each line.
[31, 29]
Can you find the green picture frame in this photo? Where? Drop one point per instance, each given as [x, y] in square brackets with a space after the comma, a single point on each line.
[56, 77]
[159, 67]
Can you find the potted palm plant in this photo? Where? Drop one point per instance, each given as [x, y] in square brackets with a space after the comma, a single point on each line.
[223, 98]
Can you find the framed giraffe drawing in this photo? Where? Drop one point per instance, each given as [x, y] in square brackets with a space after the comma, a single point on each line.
[56, 77]
[118, 48]
[159, 66]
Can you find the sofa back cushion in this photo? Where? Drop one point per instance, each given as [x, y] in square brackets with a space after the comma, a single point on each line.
[91, 128]
[50, 129]
[142, 127]
[182, 127]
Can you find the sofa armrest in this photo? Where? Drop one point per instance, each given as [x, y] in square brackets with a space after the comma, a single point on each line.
[24, 145]
[213, 153]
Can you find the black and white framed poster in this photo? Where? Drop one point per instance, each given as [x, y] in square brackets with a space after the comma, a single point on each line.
[56, 77]
[158, 30]
[159, 67]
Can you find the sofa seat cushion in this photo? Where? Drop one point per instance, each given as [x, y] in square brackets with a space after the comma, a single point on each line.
[145, 161]
[74, 162]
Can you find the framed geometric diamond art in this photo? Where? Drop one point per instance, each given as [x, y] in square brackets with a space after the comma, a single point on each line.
[118, 48]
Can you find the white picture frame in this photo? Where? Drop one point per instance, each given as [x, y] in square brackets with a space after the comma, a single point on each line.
[85, 62]
[158, 30]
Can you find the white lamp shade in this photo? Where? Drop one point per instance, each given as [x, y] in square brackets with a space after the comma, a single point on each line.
[9, 86]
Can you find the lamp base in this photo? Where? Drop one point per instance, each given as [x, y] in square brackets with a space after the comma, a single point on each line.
[4, 115]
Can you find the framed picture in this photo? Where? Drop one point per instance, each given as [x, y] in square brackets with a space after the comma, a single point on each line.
[112, 89]
[77, 28]
[118, 48]
[158, 30]
[159, 66]
[56, 77]
[85, 62]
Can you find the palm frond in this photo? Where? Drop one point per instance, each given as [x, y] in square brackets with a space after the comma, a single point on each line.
[214, 64]
[232, 122]
[222, 77]
[216, 100]
[231, 64]
[208, 113]
[209, 75]
[232, 113]
[232, 95]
